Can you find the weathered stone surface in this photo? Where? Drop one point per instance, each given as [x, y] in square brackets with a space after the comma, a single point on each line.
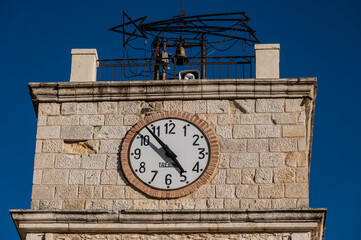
[109, 146]
[145, 204]
[52, 146]
[256, 204]
[205, 191]
[233, 176]
[173, 105]
[284, 118]
[270, 105]
[294, 159]
[294, 131]
[297, 190]
[85, 147]
[271, 191]
[302, 144]
[242, 160]
[228, 119]
[42, 192]
[114, 120]
[93, 161]
[130, 120]
[55, 176]
[44, 160]
[67, 161]
[108, 177]
[302, 175]
[131, 193]
[62, 120]
[92, 120]
[257, 118]
[48, 132]
[284, 175]
[37, 176]
[245, 105]
[301, 236]
[48, 109]
[86, 192]
[73, 204]
[99, 204]
[49, 204]
[215, 204]
[218, 106]
[233, 145]
[42, 120]
[77, 132]
[302, 117]
[198, 106]
[294, 105]
[129, 107]
[231, 203]
[211, 119]
[108, 107]
[68, 108]
[112, 162]
[109, 132]
[38, 146]
[224, 160]
[122, 204]
[247, 191]
[87, 108]
[92, 177]
[113, 192]
[271, 159]
[243, 131]
[220, 177]
[283, 145]
[66, 192]
[257, 145]
[224, 131]
[284, 203]
[76, 177]
[248, 176]
[267, 131]
[264, 175]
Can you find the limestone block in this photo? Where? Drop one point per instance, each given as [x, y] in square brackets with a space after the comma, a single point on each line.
[205, 191]
[145, 204]
[301, 236]
[257, 145]
[271, 191]
[233, 176]
[295, 105]
[109, 132]
[264, 175]
[247, 191]
[66, 192]
[302, 175]
[109, 146]
[113, 192]
[256, 118]
[98, 192]
[267, 58]
[83, 147]
[256, 204]
[224, 131]
[220, 177]
[38, 146]
[48, 132]
[267, 131]
[49, 204]
[301, 144]
[224, 160]
[92, 177]
[52, 146]
[86, 192]
[83, 65]
[42, 192]
[243, 131]
[233, 145]
[228, 119]
[55, 176]
[48, 109]
[92, 120]
[73, 204]
[271, 159]
[302, 117]
[215, 204]
[294, 131]
[198, 106]
[87, 108]
[35, 236]
[37, 176]
[284, 175]
[68, 108]
[93, 161]
[303, 203]
[248, 176]
[76, 177]
[67, 161]
[284, 203]
[231, 204]
[112, 162]
[173, 105]
[284, 118]
[130, 107]
[218, 106]
[283, 145]
[122, 204]
[114, 120]
[211, 119]
[242, 160]
[294, 159]
[99, 204]
[76, 132]
[44, 160]
[108, 107]
[121, 180]
[130, 120]
[297, 190]
[63, 120]
[245, 106]
[108, 177]
[131, 193]
[270, 105]
[42, 120]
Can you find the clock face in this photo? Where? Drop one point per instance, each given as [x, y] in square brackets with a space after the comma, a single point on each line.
[169, 156]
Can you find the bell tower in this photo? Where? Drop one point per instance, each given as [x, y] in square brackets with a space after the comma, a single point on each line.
[152, 154]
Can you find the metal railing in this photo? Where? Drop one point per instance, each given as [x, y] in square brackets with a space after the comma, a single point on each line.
[138, 69]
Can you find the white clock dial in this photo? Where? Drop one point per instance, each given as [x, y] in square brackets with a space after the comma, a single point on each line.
[169, 154]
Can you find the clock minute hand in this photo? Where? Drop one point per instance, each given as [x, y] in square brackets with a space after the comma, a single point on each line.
[169, 152]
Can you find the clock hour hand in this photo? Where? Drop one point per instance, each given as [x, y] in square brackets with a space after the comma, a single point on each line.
[168, 151]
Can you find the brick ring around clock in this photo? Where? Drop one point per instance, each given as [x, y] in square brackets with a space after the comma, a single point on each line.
[169, 154]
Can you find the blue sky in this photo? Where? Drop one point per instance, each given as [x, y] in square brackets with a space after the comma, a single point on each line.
[318, 39]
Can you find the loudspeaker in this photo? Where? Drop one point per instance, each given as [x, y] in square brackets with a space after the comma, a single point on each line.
[188, 74]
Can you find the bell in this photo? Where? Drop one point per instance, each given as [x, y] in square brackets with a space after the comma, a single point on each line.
[180, 56]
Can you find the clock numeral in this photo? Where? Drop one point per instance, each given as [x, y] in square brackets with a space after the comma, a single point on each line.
[144, 140]
[184, 177]
[201, 153]
[155, 174]
[169, 127]
[137, 153]
[185, 130]
[168, 180]
[142, 167]
[156, 130]
[195, 143]
[196, 168]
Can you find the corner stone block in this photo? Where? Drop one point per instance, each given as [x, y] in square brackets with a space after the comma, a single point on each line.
[270, 105]
[48, 109]
[76, 132]
[297, 190]
[48, 132]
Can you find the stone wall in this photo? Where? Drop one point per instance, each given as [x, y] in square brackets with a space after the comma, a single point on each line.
[264, 155]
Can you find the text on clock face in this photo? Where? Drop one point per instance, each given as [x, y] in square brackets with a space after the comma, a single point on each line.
[169, 154]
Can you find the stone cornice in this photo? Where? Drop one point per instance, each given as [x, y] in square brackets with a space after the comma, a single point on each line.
[171, 221]
[158, 90]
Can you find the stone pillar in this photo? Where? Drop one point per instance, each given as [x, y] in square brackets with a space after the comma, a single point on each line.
[83, 65]
[267, 57]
